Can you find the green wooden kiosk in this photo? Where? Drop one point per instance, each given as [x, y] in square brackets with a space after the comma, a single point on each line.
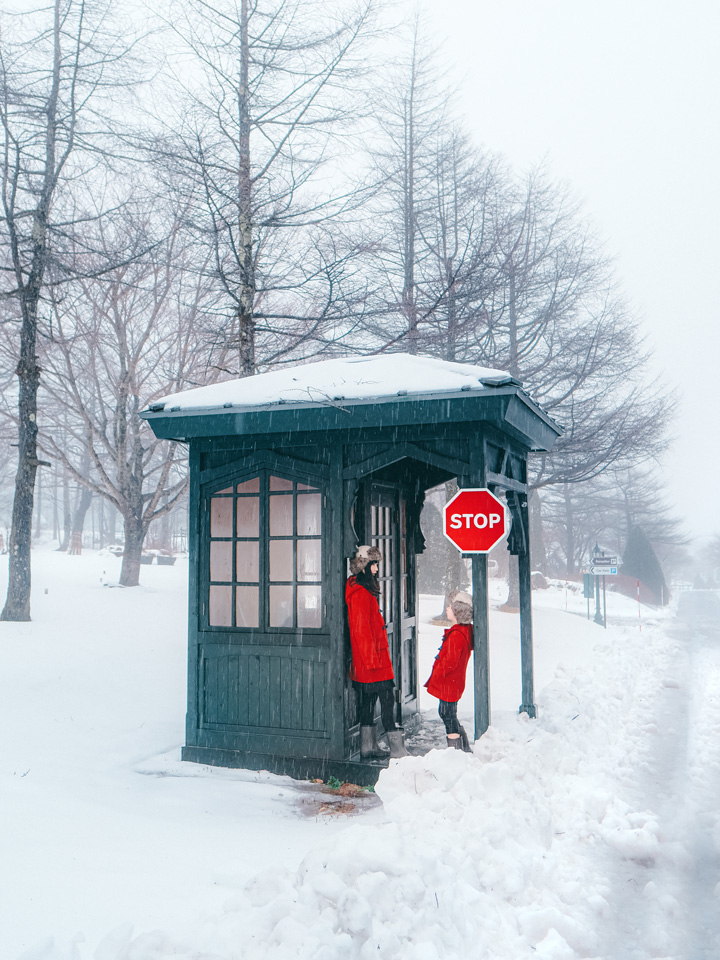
[289, 472]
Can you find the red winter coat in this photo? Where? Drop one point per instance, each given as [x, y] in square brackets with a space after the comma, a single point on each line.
[447, 680]
[368, 636]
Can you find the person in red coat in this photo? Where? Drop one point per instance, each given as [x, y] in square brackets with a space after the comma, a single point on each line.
[447, 680]
[371, 671]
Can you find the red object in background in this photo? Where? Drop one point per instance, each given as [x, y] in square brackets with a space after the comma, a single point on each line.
[474, 520]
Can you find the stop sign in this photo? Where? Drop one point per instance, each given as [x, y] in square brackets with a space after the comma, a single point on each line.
[474, 520]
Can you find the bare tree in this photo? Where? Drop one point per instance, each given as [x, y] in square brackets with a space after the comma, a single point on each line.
[604, 510]
[256, 144]
[119, 341]
[54, 74]
[413, 124]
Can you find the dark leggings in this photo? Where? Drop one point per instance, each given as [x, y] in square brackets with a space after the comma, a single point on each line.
[367, 694]
[448, 715]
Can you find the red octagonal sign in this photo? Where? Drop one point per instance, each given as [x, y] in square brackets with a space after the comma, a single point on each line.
[474, 520]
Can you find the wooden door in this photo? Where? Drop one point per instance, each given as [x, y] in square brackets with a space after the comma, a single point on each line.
[386, 523]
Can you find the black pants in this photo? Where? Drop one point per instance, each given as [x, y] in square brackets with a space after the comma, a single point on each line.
[448, 715]
[367, 694]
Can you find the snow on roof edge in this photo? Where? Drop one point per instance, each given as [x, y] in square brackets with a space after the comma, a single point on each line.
[349, 380]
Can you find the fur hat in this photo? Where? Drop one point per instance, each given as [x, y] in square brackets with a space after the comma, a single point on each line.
[462, 606]
[363, 556]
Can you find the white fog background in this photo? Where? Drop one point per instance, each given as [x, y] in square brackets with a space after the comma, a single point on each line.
[621, 99]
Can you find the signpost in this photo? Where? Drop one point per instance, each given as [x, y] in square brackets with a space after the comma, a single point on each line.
[474, 520]
[602, 566]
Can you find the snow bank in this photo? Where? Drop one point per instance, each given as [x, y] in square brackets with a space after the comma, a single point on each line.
[501, 854]
[509, 853]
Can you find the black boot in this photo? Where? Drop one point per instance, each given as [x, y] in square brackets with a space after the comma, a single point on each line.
[465, 742]
[454, 743]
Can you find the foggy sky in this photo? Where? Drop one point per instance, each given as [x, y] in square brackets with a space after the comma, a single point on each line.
[621, 98]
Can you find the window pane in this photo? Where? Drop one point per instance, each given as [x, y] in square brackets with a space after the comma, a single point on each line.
[248, 516]
[221, 561]
[246, 607]
[309, 505]
[248, 562]
[226, 490]
[281, 516]
[308, 560]
[373, 521]
[309, 606]
[304, 486]
[281, 559]
[279, 483]
[221, 606]
[221, 517]
[249, 486]
[281, 612]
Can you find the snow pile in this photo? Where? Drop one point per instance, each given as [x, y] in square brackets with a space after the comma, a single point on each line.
[570, 836]
[504, 853]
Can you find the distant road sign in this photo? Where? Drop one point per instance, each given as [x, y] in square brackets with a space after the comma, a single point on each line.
[603, 571]
[605, 562]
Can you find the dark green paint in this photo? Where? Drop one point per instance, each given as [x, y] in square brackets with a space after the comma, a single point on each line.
[280, 699]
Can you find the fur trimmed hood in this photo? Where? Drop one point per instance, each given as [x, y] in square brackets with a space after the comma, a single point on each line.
[363, 556]
[462, 606]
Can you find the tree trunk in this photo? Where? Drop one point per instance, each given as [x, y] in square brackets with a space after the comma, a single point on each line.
[451, 312]
[538, 555]
[513, 362]
[56, 515]
[111, 521]
[78, 522]
[246, 293]
[134, 538]
[513, 598]
[409, 306]
[17, 604]
[569, 532]
[67, 514]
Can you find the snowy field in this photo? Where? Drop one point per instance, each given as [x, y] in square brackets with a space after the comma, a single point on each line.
[590, 832]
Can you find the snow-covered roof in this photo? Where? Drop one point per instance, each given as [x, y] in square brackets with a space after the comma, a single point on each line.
[349, 379]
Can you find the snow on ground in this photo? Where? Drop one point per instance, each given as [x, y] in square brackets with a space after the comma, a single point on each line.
[590, 832]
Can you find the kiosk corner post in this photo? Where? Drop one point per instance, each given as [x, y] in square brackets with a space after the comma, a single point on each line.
[481, 656]
[526, 634]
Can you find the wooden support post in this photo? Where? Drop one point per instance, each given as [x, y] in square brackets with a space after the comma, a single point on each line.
[526, 633]
[481, 656]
